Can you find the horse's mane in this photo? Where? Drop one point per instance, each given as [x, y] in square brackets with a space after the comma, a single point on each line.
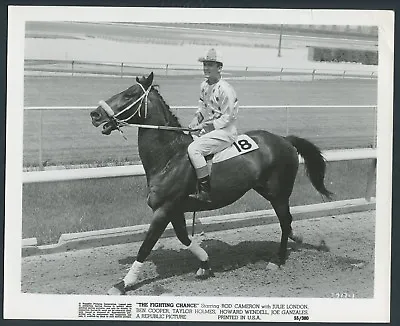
[182, 140]
[175, 119]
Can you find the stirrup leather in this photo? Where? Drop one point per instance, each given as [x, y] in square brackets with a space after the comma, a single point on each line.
[204, 188]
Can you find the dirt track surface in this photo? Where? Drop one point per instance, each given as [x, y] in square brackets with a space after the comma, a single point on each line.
[337, 256]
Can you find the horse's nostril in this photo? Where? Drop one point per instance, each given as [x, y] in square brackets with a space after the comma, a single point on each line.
[95, 115]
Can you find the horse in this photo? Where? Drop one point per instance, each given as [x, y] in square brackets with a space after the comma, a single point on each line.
[162, 142]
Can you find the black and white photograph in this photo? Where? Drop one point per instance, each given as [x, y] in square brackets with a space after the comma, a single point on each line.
[198, 164]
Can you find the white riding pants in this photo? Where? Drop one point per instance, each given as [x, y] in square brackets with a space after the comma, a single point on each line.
[210, 143]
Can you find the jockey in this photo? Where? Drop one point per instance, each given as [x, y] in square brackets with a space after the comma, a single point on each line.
[216, 117]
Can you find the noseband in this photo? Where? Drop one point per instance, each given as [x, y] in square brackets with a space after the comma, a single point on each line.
[123, 122]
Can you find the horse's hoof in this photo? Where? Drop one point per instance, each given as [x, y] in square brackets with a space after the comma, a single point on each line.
[203, 274]
[323, 246]
[297, 238]
[272, 266]
[117, 289]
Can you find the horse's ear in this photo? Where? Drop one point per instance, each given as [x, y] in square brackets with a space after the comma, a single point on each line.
[149, 80]
[137, 79]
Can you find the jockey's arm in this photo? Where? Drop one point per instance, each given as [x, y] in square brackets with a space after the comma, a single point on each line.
[228, 109]
[199, 115]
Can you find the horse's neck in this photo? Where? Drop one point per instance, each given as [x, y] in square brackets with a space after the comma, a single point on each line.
[161, 114]
[157, 147]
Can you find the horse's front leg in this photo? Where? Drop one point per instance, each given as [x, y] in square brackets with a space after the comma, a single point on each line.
[179, 224]
[157, 227]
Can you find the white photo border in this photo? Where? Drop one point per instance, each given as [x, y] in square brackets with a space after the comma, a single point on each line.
[36, 306]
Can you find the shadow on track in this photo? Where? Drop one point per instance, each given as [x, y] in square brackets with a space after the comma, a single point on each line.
[224, 257]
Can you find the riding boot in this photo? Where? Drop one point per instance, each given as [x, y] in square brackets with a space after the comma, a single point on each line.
[204, 190]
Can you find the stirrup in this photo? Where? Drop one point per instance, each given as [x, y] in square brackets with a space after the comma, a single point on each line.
[201, 196]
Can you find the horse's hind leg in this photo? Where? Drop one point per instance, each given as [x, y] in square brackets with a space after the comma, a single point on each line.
[282, 210]
[285, 216]
[179, 224]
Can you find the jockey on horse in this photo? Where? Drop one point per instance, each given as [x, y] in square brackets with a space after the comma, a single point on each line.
[270, 170]
[216, 117]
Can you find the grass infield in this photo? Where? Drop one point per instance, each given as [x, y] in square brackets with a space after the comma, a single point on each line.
[50, 209]
[68, 137]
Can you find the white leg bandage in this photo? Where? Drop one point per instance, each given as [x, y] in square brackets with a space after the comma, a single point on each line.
[132, 276]
[198, 251]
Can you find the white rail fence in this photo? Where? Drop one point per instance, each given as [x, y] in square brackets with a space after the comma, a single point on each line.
[195, 107]
[129, 69]
[137, 170]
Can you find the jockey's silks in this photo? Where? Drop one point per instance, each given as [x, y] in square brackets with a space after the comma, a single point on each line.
[218, 102]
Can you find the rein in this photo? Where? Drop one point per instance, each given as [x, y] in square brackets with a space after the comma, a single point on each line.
[123, 122]
[161, 127]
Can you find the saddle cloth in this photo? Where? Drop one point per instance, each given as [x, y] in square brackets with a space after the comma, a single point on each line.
[244, 144]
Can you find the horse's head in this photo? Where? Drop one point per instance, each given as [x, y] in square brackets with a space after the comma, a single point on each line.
[127, 107]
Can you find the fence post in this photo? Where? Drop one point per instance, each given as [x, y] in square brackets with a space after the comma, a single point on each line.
[375, 127]
[280, 41]
[287, 121]
[370, 179]
[280, 76]
[40, 140]
[372, 170]
[73, 67]
[372, 74]
[122, 69]
[166, 70]
[313, 74]
[344, 72]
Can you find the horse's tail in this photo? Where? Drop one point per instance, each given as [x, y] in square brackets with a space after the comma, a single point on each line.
[314, 162]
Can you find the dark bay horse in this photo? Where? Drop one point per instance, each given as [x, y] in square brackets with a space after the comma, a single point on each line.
[271, 171]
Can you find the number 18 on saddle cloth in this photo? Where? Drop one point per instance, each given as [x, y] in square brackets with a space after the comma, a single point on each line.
[244, 144]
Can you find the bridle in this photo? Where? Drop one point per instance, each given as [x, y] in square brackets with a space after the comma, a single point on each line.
[123, 122]
[118, 123]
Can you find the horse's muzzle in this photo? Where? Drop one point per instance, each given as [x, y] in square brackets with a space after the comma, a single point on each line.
[98, 117]
[108, 127]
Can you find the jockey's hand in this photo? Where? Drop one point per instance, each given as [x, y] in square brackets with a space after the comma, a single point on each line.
[207, 126]
[194, 124]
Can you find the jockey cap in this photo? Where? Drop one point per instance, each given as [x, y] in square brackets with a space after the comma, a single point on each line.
[212, 55]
